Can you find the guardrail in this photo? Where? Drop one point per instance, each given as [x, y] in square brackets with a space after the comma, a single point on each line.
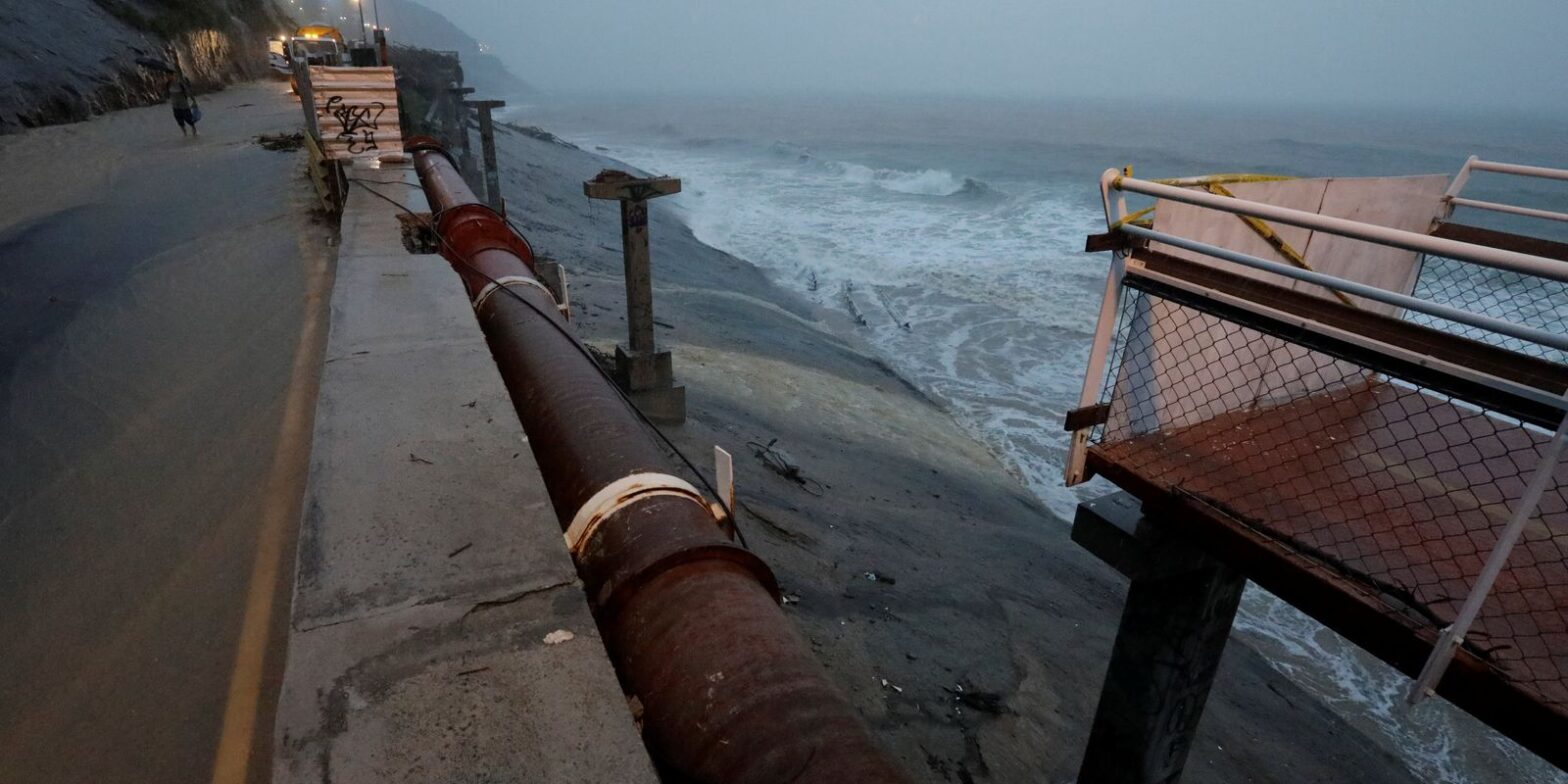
[1369, 232]
[1452, 199]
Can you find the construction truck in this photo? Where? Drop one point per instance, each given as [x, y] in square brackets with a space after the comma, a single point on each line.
[316, 44]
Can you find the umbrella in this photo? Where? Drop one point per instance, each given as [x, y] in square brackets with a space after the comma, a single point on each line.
[154, 64]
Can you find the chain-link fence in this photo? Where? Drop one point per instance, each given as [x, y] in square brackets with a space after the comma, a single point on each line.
[1398, 487]
[1521, 299]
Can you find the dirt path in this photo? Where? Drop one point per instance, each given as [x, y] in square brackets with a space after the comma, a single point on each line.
[159, 341]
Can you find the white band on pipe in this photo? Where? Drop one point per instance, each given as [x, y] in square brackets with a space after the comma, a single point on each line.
[510, 280]
[622, 492]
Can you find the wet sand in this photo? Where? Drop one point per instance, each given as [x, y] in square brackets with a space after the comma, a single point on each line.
[156, 291]
[915, 557]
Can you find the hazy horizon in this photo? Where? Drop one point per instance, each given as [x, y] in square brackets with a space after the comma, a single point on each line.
[1449, 54]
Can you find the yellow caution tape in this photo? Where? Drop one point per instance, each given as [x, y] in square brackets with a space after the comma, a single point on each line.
[1275, 241]
[1186, 182]
[1131, 218]
[1221, 179]
[1215, 183]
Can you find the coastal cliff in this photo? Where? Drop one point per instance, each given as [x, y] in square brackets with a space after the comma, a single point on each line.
[66, 60]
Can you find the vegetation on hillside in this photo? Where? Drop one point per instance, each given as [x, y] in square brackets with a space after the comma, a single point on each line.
[169, 18]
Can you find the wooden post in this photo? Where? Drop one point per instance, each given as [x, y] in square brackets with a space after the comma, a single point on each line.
[646, 373]
[1174, 625]
[487, 147]
[465, 155]
[307, 97]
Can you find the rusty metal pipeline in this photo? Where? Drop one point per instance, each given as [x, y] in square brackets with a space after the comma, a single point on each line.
[729, 690]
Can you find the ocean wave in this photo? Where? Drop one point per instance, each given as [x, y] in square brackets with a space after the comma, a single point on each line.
[978, 189]
[920, 182]
[791, 151]
[910, 182]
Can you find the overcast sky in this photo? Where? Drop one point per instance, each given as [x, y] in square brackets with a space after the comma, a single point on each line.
[1485, 53]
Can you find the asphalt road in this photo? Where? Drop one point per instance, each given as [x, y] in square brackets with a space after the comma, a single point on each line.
[161, 311]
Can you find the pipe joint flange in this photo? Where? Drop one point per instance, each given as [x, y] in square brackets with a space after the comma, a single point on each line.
[509, 281]
[640, 526]
[620, 494]
[476, 228]
[424, 143]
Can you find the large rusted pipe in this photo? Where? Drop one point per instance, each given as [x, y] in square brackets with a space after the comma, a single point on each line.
[729, 690]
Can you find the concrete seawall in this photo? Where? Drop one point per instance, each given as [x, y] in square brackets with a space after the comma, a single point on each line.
[439, 630]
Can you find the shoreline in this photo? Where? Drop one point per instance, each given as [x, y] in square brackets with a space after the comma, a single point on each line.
[919, 566]
[1438, 742]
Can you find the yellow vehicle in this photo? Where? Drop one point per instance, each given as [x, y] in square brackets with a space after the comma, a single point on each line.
[320, 32]
[316, 44]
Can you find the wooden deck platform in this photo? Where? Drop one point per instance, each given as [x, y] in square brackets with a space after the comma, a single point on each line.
[1372, 508]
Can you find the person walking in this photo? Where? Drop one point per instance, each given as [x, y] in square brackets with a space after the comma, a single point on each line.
[186, 111]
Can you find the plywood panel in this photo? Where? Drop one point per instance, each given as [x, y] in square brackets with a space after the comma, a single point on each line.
[357, 111]
[1406, 203]
[1186, 338]
[1238, 372]
[1229, 231]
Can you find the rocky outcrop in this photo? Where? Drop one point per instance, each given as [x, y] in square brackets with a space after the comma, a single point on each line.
[66, 60]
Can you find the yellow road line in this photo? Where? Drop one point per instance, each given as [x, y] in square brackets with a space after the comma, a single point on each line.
[280, 509]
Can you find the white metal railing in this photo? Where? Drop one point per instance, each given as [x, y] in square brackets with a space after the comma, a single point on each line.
[1524, 509]
[1381, 235]
[1439, 310]
[1453, 635]
[1116, 213]
[1451, 199]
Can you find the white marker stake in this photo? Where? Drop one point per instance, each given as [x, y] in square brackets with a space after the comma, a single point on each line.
[724, 472]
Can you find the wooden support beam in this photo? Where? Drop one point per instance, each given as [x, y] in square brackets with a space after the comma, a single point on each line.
[1174, 626]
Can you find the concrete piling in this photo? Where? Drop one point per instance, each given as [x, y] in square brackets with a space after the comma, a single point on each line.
[646, 373]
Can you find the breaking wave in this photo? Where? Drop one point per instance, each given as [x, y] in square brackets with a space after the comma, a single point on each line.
[924, 182]
[909, 182]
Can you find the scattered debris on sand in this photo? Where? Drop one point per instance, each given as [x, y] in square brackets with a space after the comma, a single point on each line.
[281, 142]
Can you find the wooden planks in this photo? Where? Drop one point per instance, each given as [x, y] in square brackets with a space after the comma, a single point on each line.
[357, 110]
[1388, 493]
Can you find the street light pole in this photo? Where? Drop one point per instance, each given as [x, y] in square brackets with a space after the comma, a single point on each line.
[360, 4]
